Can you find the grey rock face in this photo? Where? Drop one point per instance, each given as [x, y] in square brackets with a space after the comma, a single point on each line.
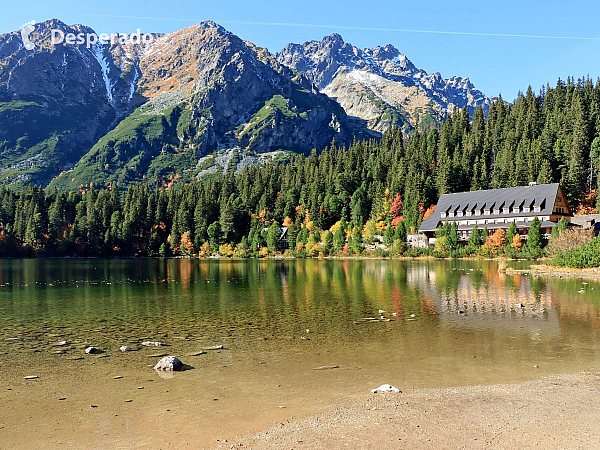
[169, 363]
[62, 87]
[380, 85]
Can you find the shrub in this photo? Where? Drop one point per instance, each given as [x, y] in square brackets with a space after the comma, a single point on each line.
[569, 239]
[587, 255]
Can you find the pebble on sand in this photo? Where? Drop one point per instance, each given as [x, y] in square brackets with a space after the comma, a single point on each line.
[124, 348]
[152, 344]
[91, 350]
[169, 363]
[31, 377]
[216, 347]
[385, 388]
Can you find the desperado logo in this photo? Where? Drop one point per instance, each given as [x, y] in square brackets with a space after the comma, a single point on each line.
[25, 32]
[90, 39]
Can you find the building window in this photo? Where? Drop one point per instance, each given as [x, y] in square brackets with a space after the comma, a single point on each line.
[451, 214]
[443, 215]
[468, 213]
[486, 212]
[536, 209]
[496, 211]
[459, 214]
[526, 209]
[505, 210]
[477, 213]
[516, 210]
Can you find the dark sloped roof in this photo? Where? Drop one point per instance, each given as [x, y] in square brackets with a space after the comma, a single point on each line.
[539, 194]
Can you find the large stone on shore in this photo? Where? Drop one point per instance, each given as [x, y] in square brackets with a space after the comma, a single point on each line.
[124, 348]
[169, 364]
[92, 350]
[385, 388]
[152, 344]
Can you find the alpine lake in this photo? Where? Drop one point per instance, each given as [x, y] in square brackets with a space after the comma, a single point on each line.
[297, 336]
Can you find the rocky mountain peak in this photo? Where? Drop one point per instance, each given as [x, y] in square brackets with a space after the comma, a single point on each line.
[334, 41]
[380, 84]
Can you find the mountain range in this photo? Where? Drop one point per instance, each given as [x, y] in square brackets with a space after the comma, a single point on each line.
[195, 101]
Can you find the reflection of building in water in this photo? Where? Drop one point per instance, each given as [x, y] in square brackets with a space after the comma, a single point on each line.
[485, 295]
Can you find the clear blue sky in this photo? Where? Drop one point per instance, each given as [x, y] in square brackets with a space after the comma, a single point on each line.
[495, 64]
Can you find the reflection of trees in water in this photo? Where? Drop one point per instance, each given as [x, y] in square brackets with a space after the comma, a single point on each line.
[284, 297]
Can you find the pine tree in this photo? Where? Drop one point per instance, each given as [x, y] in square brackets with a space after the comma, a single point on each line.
[534, 237]
[273, 236]
[339, 240]
[510, 233]
[357, 243]
[388, 236]
[475, 239]
[400, 232]
[215, 236]
[452, 237]
[328, 242]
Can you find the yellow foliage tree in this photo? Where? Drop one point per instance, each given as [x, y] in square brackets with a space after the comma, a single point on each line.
[186, 246]
[516, 242]
[381, 226]
[336, 226]
[226, 250]
[204, 250]
[494, 242]
[369, 230]
[439, 244]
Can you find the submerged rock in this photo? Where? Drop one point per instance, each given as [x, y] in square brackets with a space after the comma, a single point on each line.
[169, 363]
[385, 388]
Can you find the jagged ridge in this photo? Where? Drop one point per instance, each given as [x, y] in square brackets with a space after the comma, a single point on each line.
[380, 85]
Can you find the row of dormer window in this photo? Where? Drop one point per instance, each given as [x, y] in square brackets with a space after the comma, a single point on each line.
[486, 212]
[493, 221]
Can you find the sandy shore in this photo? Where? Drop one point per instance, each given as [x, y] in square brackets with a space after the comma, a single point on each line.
[542, 270]
[559, 411]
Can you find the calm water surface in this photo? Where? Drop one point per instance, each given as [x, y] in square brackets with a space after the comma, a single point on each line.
[443, 323]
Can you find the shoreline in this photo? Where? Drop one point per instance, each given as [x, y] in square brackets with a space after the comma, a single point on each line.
[556, 411]
[543, 270]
